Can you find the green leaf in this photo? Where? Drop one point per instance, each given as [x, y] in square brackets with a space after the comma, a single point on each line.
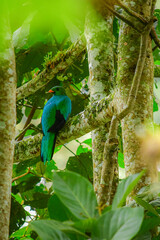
[51, 229]
[37, 114]
[81, 164]
[145, 236]
[148, 224]
[49, 169]
[85, 225]
[124, 188]
[121, 160]
[47, 231]
[81, 149]
[29, 132]
[25, 184]
[40, 168]
[17, 217]
[40, 200]
[57, 210]
[19, 233]
[146, 205]
[121, 224]
[155, 106]
[88, 142]
[76, 193]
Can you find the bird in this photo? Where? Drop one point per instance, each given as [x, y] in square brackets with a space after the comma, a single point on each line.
[54, 116]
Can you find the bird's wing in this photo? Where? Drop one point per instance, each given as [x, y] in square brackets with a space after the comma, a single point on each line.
[49, 116]
[63, 109]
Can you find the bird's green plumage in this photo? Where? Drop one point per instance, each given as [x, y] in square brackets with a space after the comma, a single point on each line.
[55, 114]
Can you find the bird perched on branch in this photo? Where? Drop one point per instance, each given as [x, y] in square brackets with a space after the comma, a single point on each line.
[55, 114]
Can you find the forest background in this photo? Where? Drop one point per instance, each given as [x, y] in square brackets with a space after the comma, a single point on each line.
[106, 55]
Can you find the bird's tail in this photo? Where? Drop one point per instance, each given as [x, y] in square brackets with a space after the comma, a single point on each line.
[47, 146]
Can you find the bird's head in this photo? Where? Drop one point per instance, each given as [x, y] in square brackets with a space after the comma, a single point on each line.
[57, 90]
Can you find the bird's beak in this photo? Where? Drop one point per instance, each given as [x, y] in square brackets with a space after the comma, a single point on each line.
[50, 91]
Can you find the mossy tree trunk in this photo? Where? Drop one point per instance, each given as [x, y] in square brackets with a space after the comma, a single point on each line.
[7, 118]
[99, 37]
[129, 42]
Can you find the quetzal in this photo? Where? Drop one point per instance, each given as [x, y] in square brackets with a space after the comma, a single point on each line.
[55, 114]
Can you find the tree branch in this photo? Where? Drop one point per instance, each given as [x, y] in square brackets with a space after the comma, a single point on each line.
[26, 126]
[138, 73]
[120, 16]
[131, 23]
[93, 116]
[58, 64]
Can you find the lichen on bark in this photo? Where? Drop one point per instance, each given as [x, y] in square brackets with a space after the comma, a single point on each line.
[99, 39]
[129, 42]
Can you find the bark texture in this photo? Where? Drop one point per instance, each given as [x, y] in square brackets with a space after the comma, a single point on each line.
[129, 42]
[7, 119]
[99, 38]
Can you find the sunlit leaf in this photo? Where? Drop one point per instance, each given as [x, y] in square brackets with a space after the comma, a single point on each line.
[124, 188]
[121, 224]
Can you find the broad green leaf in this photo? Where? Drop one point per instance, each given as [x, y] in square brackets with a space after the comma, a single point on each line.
[51, 229]
[76, 193]
[85, 225]
[47, 231]
[81, 164]
[145, 236]
[124, 188]
[40, 200]
[148, 224]
[147, 206]
[17, 217]
[119, 224]
[19, 233]
[57, 210]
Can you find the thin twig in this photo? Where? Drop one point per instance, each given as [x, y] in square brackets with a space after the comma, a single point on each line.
[23, 132]
[31, 114]
[24, 174]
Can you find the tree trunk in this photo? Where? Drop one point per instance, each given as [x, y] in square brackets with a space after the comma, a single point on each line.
[7, 118]
[129, 42]
[99, 37]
